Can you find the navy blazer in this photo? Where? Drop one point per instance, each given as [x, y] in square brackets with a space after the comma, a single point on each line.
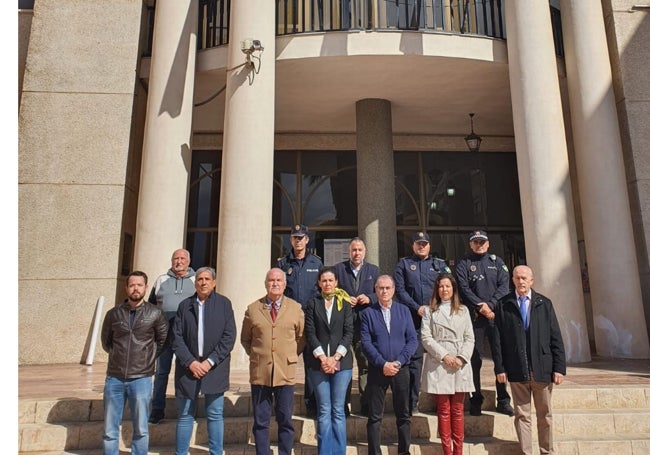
[319, 332]
[367, 277]
[219, 335]
[379, 345]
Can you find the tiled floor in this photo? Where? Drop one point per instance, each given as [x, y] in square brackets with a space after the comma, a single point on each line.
[81, 381]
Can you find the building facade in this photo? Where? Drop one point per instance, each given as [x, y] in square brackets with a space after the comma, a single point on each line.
[216, 125]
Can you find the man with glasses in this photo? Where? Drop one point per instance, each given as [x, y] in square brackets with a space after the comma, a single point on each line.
[482, 280]
[301, 269]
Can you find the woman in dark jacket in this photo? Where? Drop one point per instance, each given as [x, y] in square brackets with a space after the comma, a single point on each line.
[329, 326]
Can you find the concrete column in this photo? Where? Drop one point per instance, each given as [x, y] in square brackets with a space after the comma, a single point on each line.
[619, 320]
[543, 168]
[166, 154]
[376, 182]
[243, 255]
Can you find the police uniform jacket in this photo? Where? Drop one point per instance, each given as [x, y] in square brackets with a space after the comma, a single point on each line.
[219, 335]
[443, 336]
[414, 279]
[302, 276]
[273, 347]
[365, 280]
[482, 278]
[518, 352]
[329, 335]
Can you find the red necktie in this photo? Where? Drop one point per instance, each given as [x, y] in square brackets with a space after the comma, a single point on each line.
[274, 312]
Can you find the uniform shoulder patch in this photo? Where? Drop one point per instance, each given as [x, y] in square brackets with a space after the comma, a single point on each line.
[505, 268]
[447, 269]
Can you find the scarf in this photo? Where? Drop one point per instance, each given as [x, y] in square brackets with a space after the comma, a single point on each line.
[341, 294]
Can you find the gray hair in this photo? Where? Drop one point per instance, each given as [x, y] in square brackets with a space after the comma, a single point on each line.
[213, 273]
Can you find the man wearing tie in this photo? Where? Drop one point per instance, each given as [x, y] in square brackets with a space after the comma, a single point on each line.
[272, 336]
[529, 352]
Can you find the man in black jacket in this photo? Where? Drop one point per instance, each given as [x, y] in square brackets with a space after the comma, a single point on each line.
[529, 352]
[133, 334]
[204, 335]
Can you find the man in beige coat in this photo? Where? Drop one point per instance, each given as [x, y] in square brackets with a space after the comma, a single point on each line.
[272, 335]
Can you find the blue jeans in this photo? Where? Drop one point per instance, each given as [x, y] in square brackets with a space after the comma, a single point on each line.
[330, 391]
[185, 424]
[138, 394]
[263, 397]
[163, 367]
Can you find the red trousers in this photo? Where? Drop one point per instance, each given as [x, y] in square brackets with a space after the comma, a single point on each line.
[451, 422]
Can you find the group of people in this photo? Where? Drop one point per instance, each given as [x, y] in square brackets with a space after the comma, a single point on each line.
[419, 327]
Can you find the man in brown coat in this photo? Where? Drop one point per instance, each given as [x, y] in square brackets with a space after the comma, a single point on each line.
[272, 335]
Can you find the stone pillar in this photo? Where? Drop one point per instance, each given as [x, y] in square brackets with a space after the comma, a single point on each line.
[620, 328]
[166, 154]
[244, 248]
[543, 168]
[376, 182]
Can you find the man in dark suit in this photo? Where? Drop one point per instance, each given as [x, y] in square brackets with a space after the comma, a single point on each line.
[389, 340]
[357, 278]
[529, 352]
[204, 336]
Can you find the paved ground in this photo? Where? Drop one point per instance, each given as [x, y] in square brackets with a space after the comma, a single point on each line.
[82, 381]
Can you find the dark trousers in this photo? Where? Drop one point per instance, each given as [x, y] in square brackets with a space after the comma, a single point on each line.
[362, 366]
[263, 397]
[376, 394]
[415, 376]
[480, 333]
[310, 398]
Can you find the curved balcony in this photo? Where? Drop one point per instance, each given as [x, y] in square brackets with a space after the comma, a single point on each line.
[436, 60]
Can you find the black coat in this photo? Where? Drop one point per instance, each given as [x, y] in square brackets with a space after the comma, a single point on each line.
[517, 352]
[367, 277]
[219, 335]
[318, 332]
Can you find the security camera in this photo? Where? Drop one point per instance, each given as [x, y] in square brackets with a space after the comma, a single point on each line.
[249, 45]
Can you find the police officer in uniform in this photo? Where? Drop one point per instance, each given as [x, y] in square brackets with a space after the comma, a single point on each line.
[482, 280]
[301, 268]
[414, 278]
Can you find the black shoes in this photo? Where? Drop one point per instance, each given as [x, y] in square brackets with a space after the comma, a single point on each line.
[475, 409]
[156, 416]
[506, 409]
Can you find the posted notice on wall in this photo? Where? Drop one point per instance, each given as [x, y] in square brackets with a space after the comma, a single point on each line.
[335, 251]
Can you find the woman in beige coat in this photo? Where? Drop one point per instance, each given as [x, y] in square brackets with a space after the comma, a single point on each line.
[448, 340]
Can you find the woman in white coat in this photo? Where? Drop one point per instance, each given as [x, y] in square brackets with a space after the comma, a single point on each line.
[448, 340]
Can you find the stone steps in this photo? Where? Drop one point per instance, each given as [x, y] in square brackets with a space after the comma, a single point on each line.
[587, 420]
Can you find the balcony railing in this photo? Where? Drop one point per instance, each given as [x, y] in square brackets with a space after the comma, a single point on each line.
[476, 17]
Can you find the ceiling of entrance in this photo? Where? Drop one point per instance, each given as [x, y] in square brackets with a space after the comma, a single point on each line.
[432, 85]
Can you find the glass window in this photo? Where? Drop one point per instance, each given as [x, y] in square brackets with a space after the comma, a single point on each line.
[203, 207]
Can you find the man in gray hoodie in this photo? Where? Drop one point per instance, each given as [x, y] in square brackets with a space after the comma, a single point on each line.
[169, 290]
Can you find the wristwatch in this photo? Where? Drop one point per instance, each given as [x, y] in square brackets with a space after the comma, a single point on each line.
[399, 364]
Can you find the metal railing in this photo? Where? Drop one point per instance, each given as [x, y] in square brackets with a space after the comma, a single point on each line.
[476, 17]
[480, 17]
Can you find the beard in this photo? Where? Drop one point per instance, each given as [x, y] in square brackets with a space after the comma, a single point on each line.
[135, 297]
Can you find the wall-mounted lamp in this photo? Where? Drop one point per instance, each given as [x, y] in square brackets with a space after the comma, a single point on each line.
[451, 190]
[473, 140]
